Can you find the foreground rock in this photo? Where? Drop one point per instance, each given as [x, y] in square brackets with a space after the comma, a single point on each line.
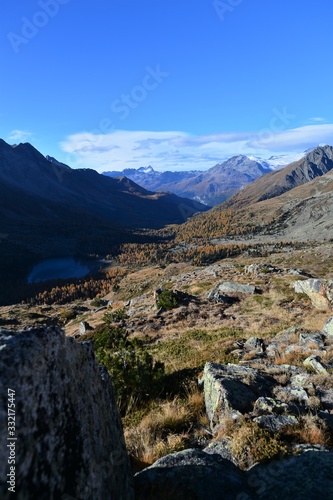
[196, 475]
[193, 475]
[328, 328]
[231, 390]
[70, 441]
[320, 292]
[309, 476]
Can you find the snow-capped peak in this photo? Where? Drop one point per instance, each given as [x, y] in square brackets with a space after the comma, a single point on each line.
[278, 161]
[146, 170]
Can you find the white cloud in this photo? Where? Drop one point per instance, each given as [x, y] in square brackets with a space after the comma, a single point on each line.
[317, 119]
[175, 150]
[19, 136]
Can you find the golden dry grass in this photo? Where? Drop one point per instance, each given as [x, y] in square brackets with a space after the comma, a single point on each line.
[249, 443]
[167, 428]
[310, 430]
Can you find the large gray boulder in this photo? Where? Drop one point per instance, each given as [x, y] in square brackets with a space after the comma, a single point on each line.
[70, 441]
[196, 475]
[216, 296]
[320, 292]
[308, 476]
[231, 390]
[191, 475]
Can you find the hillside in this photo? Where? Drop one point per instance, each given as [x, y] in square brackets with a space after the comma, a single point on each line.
[293, 203]
[49, 187]
[239, 321]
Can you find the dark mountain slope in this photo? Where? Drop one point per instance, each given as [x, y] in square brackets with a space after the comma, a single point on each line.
[25, 175]
[48, 209]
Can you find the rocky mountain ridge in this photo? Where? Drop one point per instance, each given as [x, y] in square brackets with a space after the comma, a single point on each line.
[49, 186]
[316, 163]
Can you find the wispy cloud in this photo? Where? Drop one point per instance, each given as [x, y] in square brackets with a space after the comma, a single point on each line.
[176, 150]
[20, 136]
[317, 119]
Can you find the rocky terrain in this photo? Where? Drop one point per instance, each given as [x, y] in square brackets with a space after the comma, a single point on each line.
[246, 402]
[263, 407]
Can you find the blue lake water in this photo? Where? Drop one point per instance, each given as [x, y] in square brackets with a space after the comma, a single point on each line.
[51, 269]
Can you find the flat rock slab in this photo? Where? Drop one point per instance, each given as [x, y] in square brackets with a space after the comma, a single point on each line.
[233, 287]
[274, 423]
[217, 296]
[312, 340]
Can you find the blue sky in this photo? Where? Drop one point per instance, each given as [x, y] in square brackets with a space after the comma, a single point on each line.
[177, 84]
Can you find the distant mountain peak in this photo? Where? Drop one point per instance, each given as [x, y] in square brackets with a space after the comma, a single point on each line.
[146, 170]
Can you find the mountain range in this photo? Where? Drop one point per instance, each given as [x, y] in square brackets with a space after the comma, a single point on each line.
[210, 187]
[48, 209]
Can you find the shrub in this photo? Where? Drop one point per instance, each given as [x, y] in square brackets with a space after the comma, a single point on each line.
[115, 316]
[167, 300]
[67, 315]
[98, 302]
[132, 369]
